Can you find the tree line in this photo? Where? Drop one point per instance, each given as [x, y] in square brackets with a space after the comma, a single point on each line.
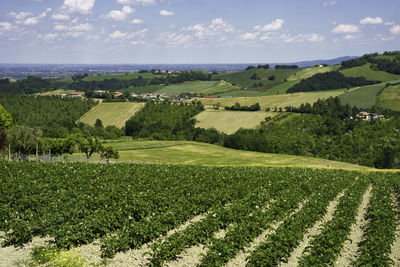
[238, 107]
[329, 81]
[377, 63]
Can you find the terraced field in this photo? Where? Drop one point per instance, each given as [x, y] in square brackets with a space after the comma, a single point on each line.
[159, 215]
[111, 113]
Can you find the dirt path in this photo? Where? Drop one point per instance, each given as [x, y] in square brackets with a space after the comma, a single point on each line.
[395, 253]
[348, 254]
[240, 259]
[16, 256]
[315, 230]
[142, 256]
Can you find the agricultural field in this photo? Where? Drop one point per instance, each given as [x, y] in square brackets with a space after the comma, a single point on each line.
[230, 121]
[118, 76]
[60, 92]
[281, 100]
[363, 97]
[369, 74]
[187, 87]
[195, 153]
[390, 98]
[161, 215]
[111, 113]
[309, 72]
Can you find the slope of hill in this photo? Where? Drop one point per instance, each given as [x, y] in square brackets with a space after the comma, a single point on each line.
[230, 121]
[366, 72]
[111, 113]
[188, 87]
[390, 98]
[178, 152]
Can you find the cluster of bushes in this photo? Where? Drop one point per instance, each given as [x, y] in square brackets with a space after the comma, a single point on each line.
[238, 107]
[170, 121]
[329, 81]
[284, 67]
[382, 64]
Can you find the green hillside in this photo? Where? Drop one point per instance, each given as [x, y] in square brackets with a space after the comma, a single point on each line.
[390, 98]
[363, 97]
[179, 152]
[244, 78]
[187, 87]
[118, 76]
[372, 75]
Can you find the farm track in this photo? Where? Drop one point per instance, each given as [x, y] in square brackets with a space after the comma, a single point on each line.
[315, 230]
[349, 254]
[240, 259]
[395, 253]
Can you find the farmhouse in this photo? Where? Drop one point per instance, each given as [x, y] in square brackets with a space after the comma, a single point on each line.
[366, 116]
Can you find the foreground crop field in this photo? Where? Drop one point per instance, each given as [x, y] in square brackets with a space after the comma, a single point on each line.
[111, 113]
[138, 215]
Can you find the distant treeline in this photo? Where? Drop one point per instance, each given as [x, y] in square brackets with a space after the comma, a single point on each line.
[286, 67]
[33, 84]
[382, 64]
[329, 81]
[238, 107]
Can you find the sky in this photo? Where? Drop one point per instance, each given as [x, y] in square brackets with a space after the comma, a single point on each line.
[194, 31]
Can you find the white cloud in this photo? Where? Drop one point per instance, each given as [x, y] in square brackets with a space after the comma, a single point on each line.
[314, 37]
[349, 37]
[217, 28]
[273, 26]
[345, 28]
[74, 34]
[118, 35]
[174, 39]
[137, 2]
[369, 20]
[395, 29]
[249, 36]
[5, 26]
[78, 6]
[60, 27]
[60, 16]
[20, 15]
[330, 3]
[137, 21]
[35, 20]
[166, 13]
[49, 36]
[120, 14]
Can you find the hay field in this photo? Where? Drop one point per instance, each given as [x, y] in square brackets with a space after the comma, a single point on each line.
[111, 113]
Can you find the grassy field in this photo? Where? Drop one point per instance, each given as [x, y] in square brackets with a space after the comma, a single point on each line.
[309, 72]
[243, 78]
[369, 74]
[221, 87]
[181, 152]
[281, 100]
[187, 87]
[390, 98]
[363, 97]
[111, 113]
[59, 92]
[230, 121]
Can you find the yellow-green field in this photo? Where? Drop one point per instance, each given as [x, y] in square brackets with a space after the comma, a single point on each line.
[390, 98]
[369, 74]
[60, 92]
[230, 121]
[180, 152]
[309, 72]
[111, 113]
[274, 100]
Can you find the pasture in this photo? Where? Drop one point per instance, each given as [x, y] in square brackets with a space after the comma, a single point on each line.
[187, 87]
[111, 113]
[369, 74]
[363, 97]
[390, 98]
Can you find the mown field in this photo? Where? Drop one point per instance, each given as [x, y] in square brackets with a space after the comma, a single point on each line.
[160, 215]
[194, 153]
[363, 97]
[281, 100]
[187, 87]
[230, 121]
[111, 113]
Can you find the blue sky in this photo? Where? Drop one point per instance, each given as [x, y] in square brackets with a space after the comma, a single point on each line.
[194, 31]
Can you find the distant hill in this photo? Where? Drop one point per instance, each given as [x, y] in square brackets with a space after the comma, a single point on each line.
[310, 63]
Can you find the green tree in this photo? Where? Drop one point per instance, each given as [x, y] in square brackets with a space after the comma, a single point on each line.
[88, 145]
[108, 153]
[23, 140]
